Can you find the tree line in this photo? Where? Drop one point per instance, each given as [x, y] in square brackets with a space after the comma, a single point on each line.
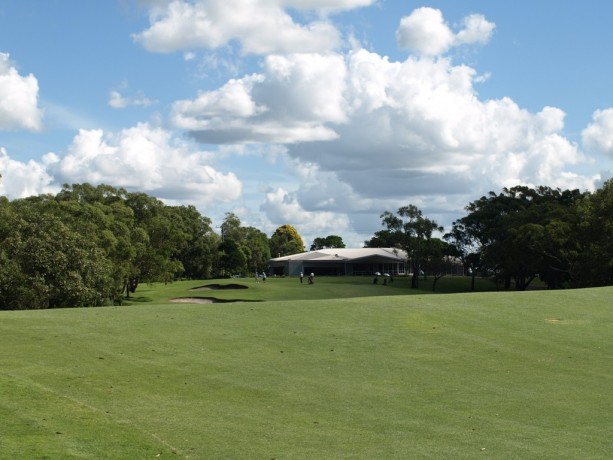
[90, 246]
[562, 237]
[93, 245]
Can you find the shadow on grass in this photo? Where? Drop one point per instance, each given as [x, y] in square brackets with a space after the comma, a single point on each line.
[130, 300]
[213, 287]
[208, 300]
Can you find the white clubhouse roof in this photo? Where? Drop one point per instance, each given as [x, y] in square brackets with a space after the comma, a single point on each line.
[346, 254]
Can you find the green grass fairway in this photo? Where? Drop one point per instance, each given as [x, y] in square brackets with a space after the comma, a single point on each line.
[291, 289]
[342, 372]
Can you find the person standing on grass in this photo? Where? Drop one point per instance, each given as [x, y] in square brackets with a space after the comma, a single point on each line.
[301, 277]
[264, 276]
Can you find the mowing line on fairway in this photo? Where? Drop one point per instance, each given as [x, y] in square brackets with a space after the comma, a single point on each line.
[43, 389]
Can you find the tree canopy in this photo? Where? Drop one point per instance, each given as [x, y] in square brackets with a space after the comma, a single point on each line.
[328, 242]
[285, 241]
[249, 250]
[523, 233]
[90, 246]
[411, 231]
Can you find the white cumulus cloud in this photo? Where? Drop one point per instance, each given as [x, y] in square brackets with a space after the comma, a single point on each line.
[476, 30]
[324, 5]
[18, 98]
[283, 206]
[381, 133]
[419, 126]
[599, 133]
[425, 32]
[20, 180]
[294, 99]
[259, 26]
[147, 159]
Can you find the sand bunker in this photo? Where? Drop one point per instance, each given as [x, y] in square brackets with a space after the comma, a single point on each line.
[212, 287]
[194, 300]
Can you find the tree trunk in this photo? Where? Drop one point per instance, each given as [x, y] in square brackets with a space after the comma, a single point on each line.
[436, 278]
[507, 281]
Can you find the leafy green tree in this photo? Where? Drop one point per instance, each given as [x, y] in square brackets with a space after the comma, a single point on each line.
[158, 241]
[231, 228]
[440, 258]
[197, 252]
[251, 242]
[232, 259]
[328, 242]
[466, 246]
[385, 239]
[12, 280]
[414, 232]
[256, 249]
[525, 232]
[101, 214]
[594, 265]
[102, 218]
[145, 239]
[8, 217]
[52, 266]
[132, 237]
[285, 241]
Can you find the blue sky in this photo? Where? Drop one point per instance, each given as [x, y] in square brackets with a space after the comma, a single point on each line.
[317, 113]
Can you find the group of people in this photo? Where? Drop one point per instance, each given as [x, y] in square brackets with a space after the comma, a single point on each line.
[311, 278]
[386, 277]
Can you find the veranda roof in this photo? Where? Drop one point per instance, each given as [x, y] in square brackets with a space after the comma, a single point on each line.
[346, 254]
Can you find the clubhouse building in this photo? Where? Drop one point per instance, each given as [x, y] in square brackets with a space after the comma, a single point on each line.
[342, 261]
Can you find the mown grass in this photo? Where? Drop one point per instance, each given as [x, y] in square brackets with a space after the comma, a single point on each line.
[358, 375]
[290, 288]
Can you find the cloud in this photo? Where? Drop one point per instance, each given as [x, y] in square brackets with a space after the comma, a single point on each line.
[211, 24]
[146, 159]
[419, 125]
[319, 5]
[288, 102]
[140, 158]
[324, 5]
[425, 32]
[359, 133]
[18, 98]
[380, 125]
[118, 101]
[476, 30]
[283, 206]
[599, 133]
[20, 180]
[368, 134]
[215, 108]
